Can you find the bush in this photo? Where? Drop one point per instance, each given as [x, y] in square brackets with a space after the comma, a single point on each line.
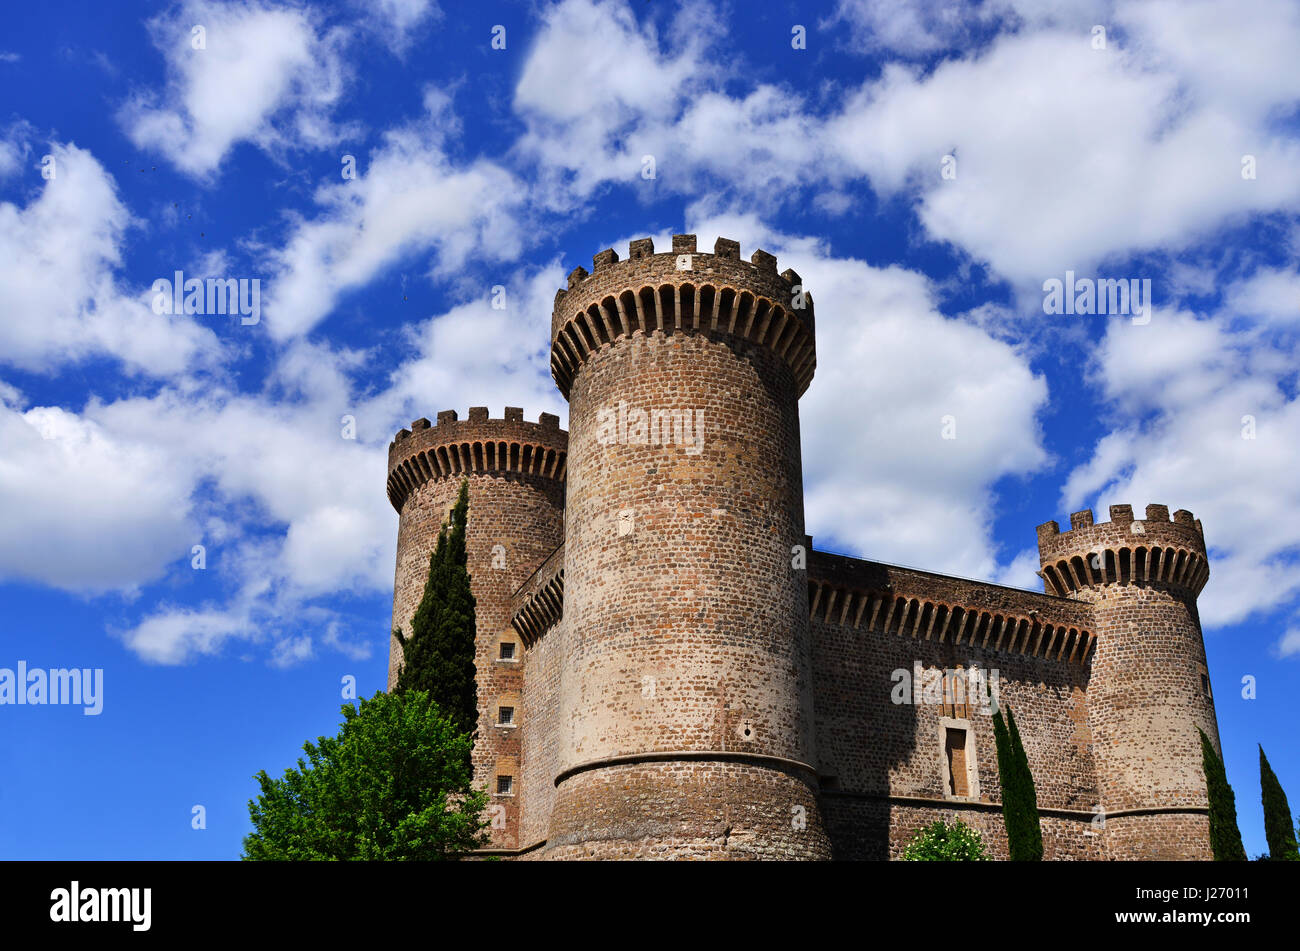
[941, 842]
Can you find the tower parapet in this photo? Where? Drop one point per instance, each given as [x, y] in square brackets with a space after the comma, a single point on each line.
[516, 471]
[1149, 689]
[1124, 550]
[683, 290]
[455, 447]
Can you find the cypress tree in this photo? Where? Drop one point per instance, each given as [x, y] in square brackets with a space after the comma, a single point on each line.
[1225, 837]
[1277, 815]
[438, 657]
[1028, 792]
[1019, 797]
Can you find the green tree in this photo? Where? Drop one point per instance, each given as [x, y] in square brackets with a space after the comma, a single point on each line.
[438, 657]
[941, 842]
[1225, 837]
[1277, 815]
[1019, 796]
[393, 785]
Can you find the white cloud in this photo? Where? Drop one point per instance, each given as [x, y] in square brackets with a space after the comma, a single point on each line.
[291, 513]
[411, 199]
[266, 74]
[397, 21]
[1068, 155]
[176, 636]
[84, 509]
[599, 91]
[1206, 419]
[1289, 644]
[64, 302]
[912, 27]
[11, 157]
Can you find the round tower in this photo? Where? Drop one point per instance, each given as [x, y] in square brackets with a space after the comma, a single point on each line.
[1149, 689]
[685, 690]
[515, 470]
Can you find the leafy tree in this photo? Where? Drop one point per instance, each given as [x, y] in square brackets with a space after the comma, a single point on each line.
[1277, 815]
[940, 842]
[393, 785]
[1019, 796]
[1225, 837]
[438, 657]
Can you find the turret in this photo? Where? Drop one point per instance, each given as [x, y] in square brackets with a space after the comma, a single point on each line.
[685, 689]
[1149, 689]
[515, 470]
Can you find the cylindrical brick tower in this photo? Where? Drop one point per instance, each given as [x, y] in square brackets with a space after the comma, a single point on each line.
[686, 722]
[1149, 689]
[515, 471]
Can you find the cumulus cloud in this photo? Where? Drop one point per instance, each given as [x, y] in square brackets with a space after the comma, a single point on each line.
[64, 300]
[264, 73]
[1067, 155]
[85, 510]
[291, 512]
[411, 199]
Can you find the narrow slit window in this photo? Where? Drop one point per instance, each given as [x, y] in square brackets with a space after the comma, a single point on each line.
[955, 751]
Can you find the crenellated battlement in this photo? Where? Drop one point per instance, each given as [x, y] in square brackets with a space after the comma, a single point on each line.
[682, 291]
[455, 446]
[1124, 550]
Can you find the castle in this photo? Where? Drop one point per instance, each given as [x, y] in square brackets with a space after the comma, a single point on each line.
[666, 669]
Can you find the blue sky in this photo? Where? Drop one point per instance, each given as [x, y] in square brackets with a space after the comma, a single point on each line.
[1167, 151]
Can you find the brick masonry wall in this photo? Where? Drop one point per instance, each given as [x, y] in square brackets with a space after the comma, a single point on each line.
[878, 830]
[540, 733]
[869, 744]
[683, 809]
[871, 748]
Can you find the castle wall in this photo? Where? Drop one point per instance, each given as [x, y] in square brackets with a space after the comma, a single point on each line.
[883, 762]
[540, 733]
[872, 748]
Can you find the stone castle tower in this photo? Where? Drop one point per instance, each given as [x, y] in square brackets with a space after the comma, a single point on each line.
[666, 668]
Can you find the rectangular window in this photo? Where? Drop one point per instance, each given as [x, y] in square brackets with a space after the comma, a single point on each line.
[955, 750]
[505, 785]
[507, 650]
[505, 715]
